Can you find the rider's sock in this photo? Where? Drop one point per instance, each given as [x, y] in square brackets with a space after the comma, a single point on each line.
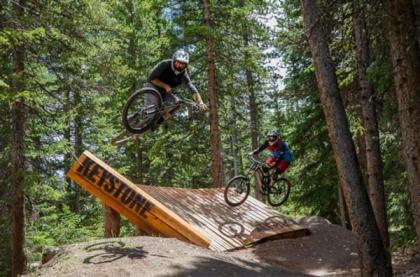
[276, 174]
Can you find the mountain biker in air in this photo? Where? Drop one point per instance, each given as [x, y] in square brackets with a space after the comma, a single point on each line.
[169, 74]
[281, 155]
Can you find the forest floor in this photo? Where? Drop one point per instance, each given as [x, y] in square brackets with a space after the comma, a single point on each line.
[329, 250]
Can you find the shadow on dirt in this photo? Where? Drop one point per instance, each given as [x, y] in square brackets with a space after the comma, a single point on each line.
[205, 266]
[330, 249]
[109, 251]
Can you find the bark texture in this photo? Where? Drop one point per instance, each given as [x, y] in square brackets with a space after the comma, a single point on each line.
[112, 222]
[405, 58]
[374, 258]
[374, 167]
[214, 118]
[17, 156]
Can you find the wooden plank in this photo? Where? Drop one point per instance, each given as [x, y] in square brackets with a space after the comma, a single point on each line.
[129, 200]
[228, 228]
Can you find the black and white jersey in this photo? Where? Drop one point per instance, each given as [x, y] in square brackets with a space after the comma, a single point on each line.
[163, 72]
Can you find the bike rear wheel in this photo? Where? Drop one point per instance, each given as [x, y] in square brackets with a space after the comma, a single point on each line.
[141, 110]
[237, 190]
[279, 192]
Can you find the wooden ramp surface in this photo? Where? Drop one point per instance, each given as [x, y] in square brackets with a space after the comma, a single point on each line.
[226, 227]
[199, 216]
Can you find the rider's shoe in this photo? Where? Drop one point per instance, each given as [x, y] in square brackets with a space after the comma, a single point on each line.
[156, 124]
[276, 176]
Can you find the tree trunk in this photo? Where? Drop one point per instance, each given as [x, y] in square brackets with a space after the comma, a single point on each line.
[374, 167]
[344, 213]
[139, 232]
[214, 121]
[78, 143]
[112, 222]
[406, 61]
[234, 139]
[417, 18]
[68, 158]
[374, 258]
[139, 161]
[361, 155]
[5, 257]
[253, 112]
[17, 158]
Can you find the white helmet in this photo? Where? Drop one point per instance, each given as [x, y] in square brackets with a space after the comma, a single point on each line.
[182, 57]
[273, 135]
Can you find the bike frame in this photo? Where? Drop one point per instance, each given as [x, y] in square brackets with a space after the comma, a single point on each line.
[257, 166]
[173, 106]
[151, 110]
[240, 185]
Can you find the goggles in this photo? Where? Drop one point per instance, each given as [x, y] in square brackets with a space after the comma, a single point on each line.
[180, 65]
[272, 138]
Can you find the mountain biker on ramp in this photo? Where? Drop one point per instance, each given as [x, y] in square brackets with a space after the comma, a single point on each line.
[169, 74]
[281, 155]
[268, 175]
[148, 107]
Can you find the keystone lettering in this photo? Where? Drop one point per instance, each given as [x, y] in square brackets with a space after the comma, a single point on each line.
[114, 186]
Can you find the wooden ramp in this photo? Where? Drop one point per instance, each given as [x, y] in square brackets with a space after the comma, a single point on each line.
[199, 216]
[226, 227]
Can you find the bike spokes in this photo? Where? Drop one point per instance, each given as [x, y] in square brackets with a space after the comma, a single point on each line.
[237, 190]
[138, 116]
[141, 110]
[279, 192]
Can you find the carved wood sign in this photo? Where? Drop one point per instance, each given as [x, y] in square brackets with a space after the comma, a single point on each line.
[122, 195]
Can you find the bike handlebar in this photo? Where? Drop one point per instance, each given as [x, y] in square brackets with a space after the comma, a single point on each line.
[255, 161]
[188, 102]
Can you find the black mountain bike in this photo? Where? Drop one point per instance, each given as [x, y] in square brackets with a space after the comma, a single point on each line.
[238, 188]
[139, 117]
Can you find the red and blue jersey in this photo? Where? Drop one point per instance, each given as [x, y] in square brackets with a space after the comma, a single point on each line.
[279, 150]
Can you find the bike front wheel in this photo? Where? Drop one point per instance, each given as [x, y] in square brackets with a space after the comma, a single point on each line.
[279, 192]
[237, 190]
[141, 110]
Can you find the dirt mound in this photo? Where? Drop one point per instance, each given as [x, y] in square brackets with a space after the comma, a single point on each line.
[148, 256]
[328, 250]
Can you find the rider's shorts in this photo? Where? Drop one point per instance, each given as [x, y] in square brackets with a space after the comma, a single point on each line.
[166, 97]
[280, 165]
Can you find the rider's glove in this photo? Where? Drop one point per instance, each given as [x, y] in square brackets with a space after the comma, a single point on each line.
[253, 153]
[202, 107]
[168, 89]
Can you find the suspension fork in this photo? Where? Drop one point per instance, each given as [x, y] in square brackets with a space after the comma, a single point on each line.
[258, 175]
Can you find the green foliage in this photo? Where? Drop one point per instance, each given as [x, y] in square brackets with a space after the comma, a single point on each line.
[84, 58]
[54, 228]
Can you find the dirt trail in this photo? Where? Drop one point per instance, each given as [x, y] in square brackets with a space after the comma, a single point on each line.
[329, 250]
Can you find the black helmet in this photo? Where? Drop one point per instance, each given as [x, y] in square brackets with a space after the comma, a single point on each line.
[273, 135]
[180, 61]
